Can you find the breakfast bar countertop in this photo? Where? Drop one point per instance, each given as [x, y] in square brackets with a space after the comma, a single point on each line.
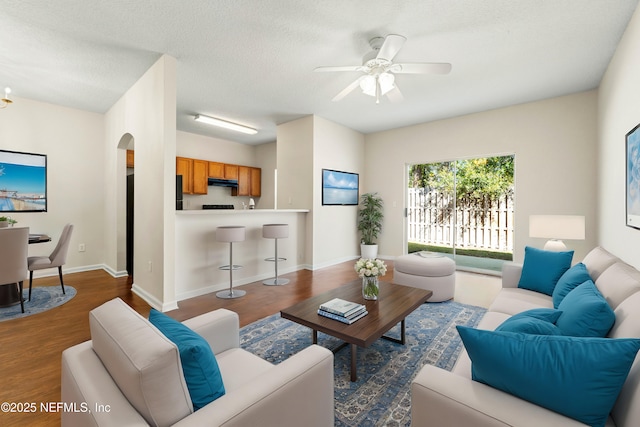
[238, 211]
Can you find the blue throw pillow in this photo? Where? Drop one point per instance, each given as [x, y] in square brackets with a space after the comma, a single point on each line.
[529, 325]
[577, 377]
[539, 321]
[547, 314]
[572, 278]
[542, 269]
[585, 312]
[199, 365]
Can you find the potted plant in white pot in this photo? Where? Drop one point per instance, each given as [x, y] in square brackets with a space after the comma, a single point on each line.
[370, 224]
[6, 221]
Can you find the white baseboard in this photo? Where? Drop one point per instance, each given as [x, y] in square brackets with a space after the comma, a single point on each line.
[153, 301]
[54, 270]
[332, 262]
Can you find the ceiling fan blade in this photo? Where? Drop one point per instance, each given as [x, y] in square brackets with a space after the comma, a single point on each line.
[422, 68]
[347, 90]
[391, 46]
[338, 68]
[395, 95]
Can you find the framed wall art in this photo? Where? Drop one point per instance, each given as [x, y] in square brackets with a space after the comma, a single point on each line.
[632, 149]
[23, 182]
[339, 188]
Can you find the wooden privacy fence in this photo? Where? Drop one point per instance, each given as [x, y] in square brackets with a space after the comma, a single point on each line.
[483, 223]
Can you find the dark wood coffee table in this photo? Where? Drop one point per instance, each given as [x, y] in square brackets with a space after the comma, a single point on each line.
[394, 304]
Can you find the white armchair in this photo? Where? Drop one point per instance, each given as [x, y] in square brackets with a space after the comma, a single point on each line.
[146, 387]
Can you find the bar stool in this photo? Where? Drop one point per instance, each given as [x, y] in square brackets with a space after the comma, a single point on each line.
[275, 231]
[230, 234]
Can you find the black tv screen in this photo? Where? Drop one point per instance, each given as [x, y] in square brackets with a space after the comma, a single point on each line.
[339, 188]
[23, 182]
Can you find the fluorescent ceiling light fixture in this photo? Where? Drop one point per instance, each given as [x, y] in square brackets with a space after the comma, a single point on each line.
[225, 124]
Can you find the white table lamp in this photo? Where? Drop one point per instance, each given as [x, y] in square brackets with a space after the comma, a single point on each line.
[555, 228]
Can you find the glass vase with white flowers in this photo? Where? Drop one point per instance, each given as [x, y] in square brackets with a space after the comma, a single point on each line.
[370, 270]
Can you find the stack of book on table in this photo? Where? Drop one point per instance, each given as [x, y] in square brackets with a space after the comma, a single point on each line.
[342, 311]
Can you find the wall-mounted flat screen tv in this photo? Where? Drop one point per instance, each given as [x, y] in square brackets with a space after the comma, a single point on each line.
[339, 188]
[23, 182]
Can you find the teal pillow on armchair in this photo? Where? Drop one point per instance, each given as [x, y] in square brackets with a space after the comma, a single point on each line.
[199, 365]
[542, 269]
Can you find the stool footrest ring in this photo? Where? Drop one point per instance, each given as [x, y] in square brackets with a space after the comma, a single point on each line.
[229, 267]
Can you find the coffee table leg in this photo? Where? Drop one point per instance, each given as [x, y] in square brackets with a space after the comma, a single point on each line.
[354, 356]
[315, 336]
[403, 334]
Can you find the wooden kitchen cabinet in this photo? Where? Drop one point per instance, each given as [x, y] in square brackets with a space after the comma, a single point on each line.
[216, 170]
[256, 182]
[200, 176]
[184, 167]
[249, 182]
[231, 171]
[244, 182]
[130, 157]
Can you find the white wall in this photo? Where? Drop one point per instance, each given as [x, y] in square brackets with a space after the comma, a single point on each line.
[334, 227]
[72, 140]
[554, 141]
[295, 173]
[304, 147]
[147, 111]
[619, 112]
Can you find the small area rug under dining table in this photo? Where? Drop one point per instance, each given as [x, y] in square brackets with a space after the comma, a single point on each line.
[382, 394]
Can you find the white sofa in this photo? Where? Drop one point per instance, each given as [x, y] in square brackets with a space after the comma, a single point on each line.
[442, 398]
[130, 374]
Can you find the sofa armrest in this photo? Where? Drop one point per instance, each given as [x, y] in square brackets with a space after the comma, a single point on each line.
[221, 329]
[441, 398]
[511, 273]
[298, 391]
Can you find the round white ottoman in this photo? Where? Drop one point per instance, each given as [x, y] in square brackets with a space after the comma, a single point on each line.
[427, 270]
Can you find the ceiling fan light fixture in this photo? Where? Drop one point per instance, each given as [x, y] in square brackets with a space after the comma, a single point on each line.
[6, 100]
[386, 81]
[225, 124]
[368, 85]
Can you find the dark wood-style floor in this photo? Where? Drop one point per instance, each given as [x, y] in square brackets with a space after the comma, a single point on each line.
[30, 347]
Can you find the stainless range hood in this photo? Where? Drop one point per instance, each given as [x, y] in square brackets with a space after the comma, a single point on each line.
[223, 182]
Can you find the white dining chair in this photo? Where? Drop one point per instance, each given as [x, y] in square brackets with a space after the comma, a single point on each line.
[14, 249]
[57, 258]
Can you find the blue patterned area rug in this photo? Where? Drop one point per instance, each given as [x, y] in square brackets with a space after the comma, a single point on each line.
[381, 395]
[43, 298]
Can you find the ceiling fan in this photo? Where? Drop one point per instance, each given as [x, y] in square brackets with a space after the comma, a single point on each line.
[379, 69]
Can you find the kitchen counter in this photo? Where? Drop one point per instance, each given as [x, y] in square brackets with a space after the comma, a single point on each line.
[199, 255]
[238, 211]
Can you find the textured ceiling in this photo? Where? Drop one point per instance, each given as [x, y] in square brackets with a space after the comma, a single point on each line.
[252, 61]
